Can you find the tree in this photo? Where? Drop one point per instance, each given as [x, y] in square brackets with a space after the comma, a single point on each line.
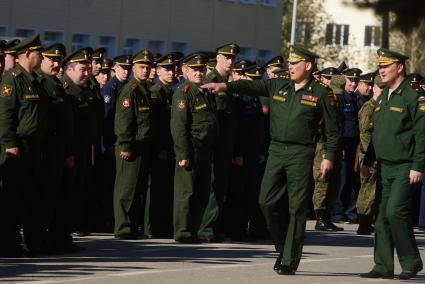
[413, 45]
[408, 15]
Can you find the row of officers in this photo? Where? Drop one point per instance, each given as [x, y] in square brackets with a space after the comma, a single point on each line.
[182, 155]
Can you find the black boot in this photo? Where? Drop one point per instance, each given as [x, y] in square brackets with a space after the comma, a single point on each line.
[321, 223]
[278, 263]
[365, 225]
[327, 218]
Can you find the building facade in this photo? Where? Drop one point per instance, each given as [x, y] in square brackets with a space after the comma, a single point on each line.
[126, 26]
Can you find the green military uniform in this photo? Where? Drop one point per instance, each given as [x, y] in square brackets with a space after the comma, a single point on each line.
[23, 122]
[194, 128]
[294, 123]
[366, 198]
[134, 130]
[398, 141]
[75, 178]
[326, 191]
[56, 206]
[159, 204]
[211, 226]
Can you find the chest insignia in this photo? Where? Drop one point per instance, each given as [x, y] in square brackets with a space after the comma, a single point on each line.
[396, 109]
[201, 106]
[278, 98]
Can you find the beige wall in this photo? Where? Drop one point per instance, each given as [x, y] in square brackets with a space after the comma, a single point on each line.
[203, 24]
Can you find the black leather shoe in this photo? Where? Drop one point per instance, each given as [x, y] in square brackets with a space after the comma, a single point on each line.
[285, 270]
[213, 239]
[278, 263]
[406, 274]
[127, 237]
[376, 274]
[188, 240]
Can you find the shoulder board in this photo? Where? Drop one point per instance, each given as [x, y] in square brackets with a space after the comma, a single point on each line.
[321, 83]
[133, 86]
[65, 85]
[158, 88]
[212, 75]
[186, 89]
[16, 72]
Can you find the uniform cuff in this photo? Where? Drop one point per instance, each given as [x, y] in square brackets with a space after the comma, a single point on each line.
[419, 167]
[329, 155]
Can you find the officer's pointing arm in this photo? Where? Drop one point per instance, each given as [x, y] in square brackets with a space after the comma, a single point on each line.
[253, 88]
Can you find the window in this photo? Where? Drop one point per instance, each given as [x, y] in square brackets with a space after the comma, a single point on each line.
[337, 35]
[24, 32]
[179, 46]
[132, 45]
[249, 2]
[3, 31]
[245, 53]
[52, 37]
[268, 2]
[156, 46]
[263, 56]
[80, 41]
[109, 43]
[303, 32]
[372, 36]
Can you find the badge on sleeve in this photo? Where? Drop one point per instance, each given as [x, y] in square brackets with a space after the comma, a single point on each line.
[6, 90]
[181, 105]
[126, 102]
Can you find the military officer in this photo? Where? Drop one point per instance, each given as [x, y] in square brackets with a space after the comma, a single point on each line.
[10, 54]
[326, 75]
[326, 189]
[364, 91]
[296, 107]
[273, 64]
[56, 155]
[211, 227]
[158, 217]
[104, 74]
[350, 182]
[134, 127]
[414, 78]
[77, 70]
[398, 142]
[121, 68]
[2, 58]
[153, 75]
[96, 192]
[243, 215]
[194, 129]
[366, 198]
[23, 120]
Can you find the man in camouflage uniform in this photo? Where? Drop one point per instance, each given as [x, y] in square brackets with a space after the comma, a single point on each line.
[326, 190]
[365, 200]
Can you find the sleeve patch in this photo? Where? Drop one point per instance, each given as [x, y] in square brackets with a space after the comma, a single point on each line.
[181, 105]
[6, 90]
[126, 102]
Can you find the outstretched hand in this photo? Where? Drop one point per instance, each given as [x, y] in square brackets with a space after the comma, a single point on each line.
[215, 87]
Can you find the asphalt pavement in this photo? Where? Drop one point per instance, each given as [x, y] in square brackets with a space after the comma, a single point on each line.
[328, 258]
